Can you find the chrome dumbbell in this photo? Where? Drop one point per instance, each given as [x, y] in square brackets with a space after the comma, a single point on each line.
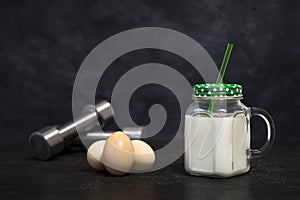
[51, 140]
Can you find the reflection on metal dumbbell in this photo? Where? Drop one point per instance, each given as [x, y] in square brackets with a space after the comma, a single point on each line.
[91, 137]
[51, 140]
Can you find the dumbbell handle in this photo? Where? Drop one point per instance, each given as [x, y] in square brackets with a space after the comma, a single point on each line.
[134, 133]
[51, 140]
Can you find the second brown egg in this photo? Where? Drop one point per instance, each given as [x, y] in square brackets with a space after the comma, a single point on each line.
[118, 154]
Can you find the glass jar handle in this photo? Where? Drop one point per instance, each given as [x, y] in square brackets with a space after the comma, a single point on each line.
[256, 153]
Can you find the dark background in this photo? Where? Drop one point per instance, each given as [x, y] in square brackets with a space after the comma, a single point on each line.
[43, 43]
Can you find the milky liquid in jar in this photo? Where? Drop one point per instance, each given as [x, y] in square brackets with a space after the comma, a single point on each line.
[217, 146]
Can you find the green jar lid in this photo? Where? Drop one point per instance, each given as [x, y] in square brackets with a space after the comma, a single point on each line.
[217, 90]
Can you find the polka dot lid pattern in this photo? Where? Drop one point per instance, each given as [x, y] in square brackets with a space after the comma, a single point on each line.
[217, 90]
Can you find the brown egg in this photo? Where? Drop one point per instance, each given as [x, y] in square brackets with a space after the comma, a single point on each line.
[94, 155]
[144, 156]
[118, 154]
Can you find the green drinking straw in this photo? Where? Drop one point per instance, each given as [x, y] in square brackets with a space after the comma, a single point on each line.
[224, 63]
[222, 71]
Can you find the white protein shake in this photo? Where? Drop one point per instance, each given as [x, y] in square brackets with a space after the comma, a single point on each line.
[216, 145]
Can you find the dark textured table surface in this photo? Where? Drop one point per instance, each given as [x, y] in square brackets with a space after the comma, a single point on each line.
[276, 176]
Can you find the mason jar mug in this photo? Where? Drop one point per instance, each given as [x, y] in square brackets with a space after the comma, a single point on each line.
[217, 131]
